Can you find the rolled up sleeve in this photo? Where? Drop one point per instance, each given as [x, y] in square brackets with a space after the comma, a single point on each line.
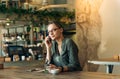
[74, 63]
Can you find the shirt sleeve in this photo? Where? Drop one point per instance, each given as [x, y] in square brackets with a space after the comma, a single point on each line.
[52, 51]
[73, 56]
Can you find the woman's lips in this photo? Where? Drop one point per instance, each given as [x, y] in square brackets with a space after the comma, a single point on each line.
[52, 37]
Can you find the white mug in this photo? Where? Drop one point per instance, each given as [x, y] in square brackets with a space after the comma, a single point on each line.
[23, 58]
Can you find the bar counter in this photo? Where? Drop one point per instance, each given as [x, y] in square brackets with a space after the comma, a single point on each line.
[21, 72]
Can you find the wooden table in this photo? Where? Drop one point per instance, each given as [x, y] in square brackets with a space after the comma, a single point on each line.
[21, 73]
[108, 62]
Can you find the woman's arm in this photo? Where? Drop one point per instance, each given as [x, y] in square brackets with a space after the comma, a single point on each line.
[48, 44]
[74, 63]
[48, 56]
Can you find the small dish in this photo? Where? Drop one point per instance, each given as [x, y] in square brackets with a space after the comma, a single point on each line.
[54, 71]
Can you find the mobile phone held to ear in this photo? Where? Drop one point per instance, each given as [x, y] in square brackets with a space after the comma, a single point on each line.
[50, 40]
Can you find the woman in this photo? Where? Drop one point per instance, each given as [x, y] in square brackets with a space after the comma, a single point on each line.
[62, 53]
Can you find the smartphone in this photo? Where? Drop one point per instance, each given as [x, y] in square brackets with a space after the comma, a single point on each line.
[50, 40]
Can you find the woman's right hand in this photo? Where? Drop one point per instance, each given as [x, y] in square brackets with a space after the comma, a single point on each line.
[48, 42]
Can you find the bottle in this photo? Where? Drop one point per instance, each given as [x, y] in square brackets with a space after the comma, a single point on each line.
[35, 35]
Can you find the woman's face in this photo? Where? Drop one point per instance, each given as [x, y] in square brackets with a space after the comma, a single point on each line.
[54, 31]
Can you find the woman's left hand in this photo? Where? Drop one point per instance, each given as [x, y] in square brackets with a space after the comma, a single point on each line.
[52, 66]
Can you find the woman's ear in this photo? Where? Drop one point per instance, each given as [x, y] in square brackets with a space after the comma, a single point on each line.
[61, 29]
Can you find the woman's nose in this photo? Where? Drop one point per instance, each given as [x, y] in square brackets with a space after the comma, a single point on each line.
[50, 33]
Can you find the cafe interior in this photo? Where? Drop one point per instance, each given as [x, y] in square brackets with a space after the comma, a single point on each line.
[92, 24]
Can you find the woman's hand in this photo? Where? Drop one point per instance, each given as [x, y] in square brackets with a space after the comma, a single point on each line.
[48, 42]
[52, 66]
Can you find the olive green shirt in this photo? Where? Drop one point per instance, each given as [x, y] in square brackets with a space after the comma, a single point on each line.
[67, 57]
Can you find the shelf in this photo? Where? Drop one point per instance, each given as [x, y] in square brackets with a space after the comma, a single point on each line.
[19, 42]
[69, 32]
